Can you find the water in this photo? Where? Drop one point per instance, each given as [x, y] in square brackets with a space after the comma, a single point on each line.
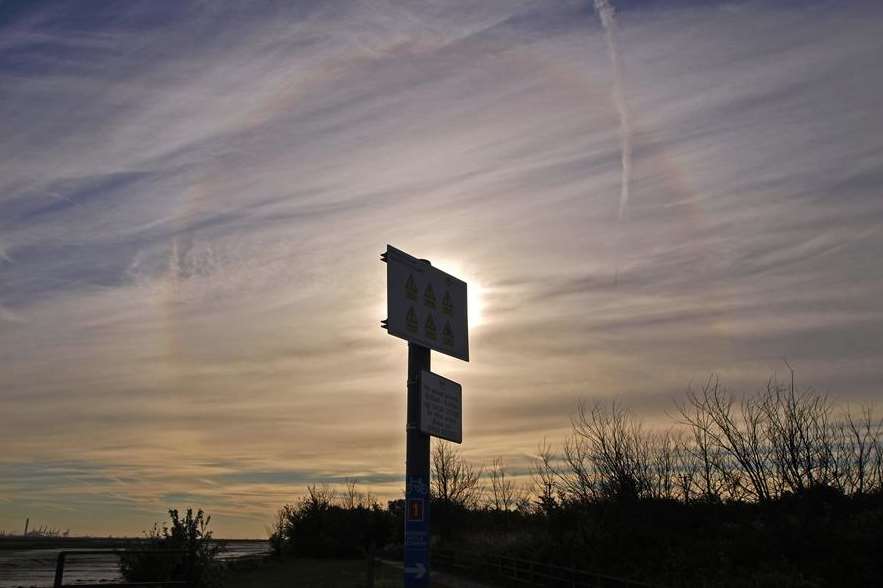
[35, 568]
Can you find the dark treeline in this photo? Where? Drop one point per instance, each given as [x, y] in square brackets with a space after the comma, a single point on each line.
[776, 488]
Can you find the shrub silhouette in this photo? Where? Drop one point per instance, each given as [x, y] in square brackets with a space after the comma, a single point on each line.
[317, 526]
[776, 488]
[183, 551]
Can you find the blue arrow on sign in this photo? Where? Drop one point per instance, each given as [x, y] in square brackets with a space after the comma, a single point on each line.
[418, 570]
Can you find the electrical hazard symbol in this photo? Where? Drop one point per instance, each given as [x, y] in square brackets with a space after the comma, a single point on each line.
[411, 320]
[411, 289]
[429, 296]
[447, 307]
[448, 335]
[430, 328]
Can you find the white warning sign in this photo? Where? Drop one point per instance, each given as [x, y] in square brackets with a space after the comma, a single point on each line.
[425, 305]
[441, 407]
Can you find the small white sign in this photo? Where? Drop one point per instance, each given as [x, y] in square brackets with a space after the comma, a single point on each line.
[425, 305]
[441, 407]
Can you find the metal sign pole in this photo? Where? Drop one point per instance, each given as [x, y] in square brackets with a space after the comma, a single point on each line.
[426, 307]
[416, 477]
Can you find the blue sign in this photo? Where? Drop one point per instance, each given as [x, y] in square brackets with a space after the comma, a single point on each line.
[417, 533]
[416, 538]
[416, 487]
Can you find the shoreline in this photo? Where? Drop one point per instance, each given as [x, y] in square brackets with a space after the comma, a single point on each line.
[22, 543]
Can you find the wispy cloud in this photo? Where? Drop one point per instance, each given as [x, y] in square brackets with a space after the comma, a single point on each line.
[607, 14]
[192, 200]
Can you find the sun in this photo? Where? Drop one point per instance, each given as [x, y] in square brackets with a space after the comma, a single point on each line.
[475, 298]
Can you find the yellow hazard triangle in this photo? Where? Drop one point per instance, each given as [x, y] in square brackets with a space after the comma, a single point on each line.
[430, 327]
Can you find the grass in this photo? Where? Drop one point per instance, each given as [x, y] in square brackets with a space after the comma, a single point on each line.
[325, 573]
[318, 573]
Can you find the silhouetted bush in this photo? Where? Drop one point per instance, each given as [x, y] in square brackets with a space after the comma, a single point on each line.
[775, 488]
[184, 551]
[318, 527]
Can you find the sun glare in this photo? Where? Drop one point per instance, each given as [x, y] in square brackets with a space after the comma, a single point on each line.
[474, 294]
[476, 303]
[474, 290]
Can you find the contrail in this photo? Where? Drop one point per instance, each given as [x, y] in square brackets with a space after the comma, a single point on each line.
[608, 21]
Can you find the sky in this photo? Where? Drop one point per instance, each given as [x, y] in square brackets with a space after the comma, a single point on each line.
[194, 197]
